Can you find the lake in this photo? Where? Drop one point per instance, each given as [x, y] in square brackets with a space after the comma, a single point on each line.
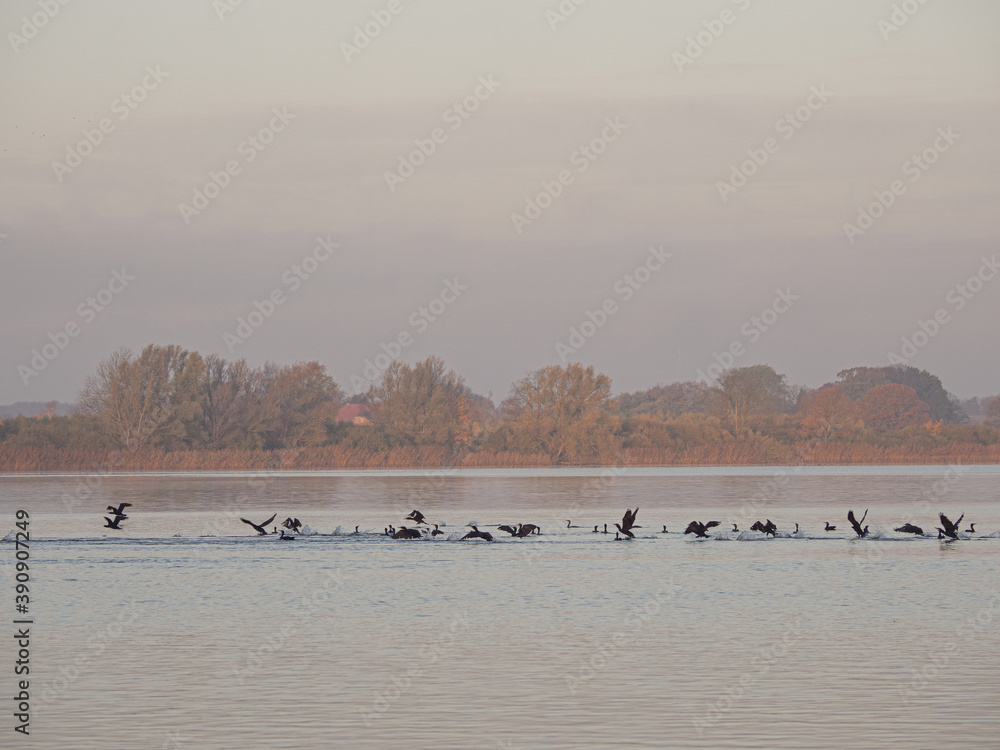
[187, 630]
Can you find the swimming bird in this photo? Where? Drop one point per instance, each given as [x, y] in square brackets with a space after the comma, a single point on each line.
[113, 523]
[829, 527]
[526, 528]
[595, 530]
[605, 530]
[909, 528]
[416, 515]
[477, 534]
[569, 526]
[286, 537]
[405, 533]
[736, 528]
[622, 538]
[628, 521]
[436, 531]
[356, 530]
[664, 530]
[509, 529]
[950, 529]
[120, 510]
[260, 527]
[698, 528]
[971, 529]
[857, 524]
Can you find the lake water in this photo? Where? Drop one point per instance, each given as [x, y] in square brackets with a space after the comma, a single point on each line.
[185, 630]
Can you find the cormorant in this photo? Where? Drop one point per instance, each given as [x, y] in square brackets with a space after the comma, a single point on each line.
[736, 529]
[113, 523]
[120, 510]
[595, 530]
[765, 528]
[415, 515]
[436, 531]
[260, 527]
[405, 533]
[628, 521]
[950, 529]
[509, 529]
[829, 527]
[523, 529]
[286, 537]
[698, 529]
[292, 524]
[569, 526]
[664, 530]
[971, 529]
[477, 534]
[857, 524]
[909, 528]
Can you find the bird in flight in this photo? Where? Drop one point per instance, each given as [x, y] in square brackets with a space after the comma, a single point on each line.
[260, 527]
[950, 529]
[857, 524]
[628, 522]
[698, 528]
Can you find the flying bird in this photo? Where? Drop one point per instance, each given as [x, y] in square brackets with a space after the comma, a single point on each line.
[765, 528]
[628, 521]
[260, 527]
[857, 524]
[113, 523]
[120, 510]
[292, 524]
[909, 528]
[416, 515]
[698, 528]
[477, 534]
[950, 529]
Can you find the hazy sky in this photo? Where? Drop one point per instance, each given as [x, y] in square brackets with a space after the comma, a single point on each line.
[833, 98]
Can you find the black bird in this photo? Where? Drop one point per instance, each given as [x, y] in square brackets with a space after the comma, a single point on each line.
[416, 515]
[971, 529]
[628, 521]
[405, 533]
[857, 524]
[120, 510]
[664, 530]
[260, 527]
[569, 526]
[509, 529]
[477, 534]
[286, 537]
[595, 530]
[765, 528]
[622, 538]
[356, 530]
[523, 529]
[909, 528]
[605, 530]
[292, 524]
[735, 528]
[113, 523]
[698, 528]
[950, 529]
[829, 527]
[436, 531]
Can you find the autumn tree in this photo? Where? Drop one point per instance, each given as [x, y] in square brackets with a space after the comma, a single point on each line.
[673, 400]
[857, 381]
[422, 404]
[298, 402]
[743, 392]
[827, 411]
[150, 400]
[892, 407]
[563, 411]
[993, 413]
[233, 403]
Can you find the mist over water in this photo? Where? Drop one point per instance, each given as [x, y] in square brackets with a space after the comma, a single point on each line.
[187, 630]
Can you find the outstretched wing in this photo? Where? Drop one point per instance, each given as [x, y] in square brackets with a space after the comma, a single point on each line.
[949, 527]
[710, 524]
[265, 523]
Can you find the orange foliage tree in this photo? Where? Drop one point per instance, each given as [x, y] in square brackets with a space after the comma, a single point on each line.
[892, 407]
[829, 410]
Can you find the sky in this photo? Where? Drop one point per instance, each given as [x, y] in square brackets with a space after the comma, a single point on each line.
[648, 187]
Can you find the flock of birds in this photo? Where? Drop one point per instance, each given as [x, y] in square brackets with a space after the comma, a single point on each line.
[948, 530]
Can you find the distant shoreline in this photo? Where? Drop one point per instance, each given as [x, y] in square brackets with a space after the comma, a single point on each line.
[33, 460]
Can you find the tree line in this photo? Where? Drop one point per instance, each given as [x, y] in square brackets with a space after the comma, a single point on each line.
[166, 398]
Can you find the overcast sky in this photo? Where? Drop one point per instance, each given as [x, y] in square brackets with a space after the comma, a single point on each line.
[833, 98]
